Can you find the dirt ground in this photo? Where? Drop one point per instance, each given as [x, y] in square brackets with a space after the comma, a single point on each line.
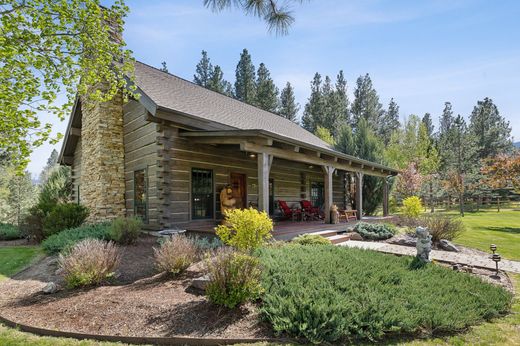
[140, 303]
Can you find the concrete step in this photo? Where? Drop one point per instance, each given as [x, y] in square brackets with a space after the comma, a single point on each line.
[325, 233]
[339, 238]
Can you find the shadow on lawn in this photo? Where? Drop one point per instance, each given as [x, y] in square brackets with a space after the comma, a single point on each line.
[512, 230]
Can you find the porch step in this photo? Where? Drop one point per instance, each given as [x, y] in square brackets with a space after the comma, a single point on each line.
[325, 233]
[338, 238]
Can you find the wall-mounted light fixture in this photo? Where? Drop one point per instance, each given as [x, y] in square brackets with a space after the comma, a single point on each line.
[252, 155]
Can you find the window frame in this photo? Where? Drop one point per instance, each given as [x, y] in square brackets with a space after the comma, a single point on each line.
[146, 192]
[210, 199]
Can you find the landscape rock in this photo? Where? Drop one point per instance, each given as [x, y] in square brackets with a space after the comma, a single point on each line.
[200, 283]
[404, 240]
[50, 288]
[448, 246]
[59, 271]
[354, 236]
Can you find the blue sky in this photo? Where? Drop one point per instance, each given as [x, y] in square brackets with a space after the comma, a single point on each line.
[421, 53]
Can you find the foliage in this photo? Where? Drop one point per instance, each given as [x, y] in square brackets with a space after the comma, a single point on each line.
[366, 105]
[57, 189]
[329, 294]
[234, 278]
[52, 162]
[176, 254]
[203, 71]
[390, 121]
[63, 241]
[412, 206]
[89, 262]
[311, 239]
[409, 182]
[17, 194]
[245, 85]
[288, 107]
[245, 229]
[276, 14]
[9, 232]
[375, 231]
[125, 230]
[64, 216]
[266, 91]
[502, 171]
[324, 134]
[50, 48]
[442, 226]
[207, 243]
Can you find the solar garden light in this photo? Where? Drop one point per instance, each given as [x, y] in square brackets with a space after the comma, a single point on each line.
[496, 258]
[493, 248]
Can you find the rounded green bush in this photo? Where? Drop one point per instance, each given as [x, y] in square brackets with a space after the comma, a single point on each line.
[311, 239]
[126, 230]
[9, 232]
[64, 216]
[375, 231]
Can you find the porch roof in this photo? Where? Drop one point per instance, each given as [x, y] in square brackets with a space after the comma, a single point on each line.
[261, 141]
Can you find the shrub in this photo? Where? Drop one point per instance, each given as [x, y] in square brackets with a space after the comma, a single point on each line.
[245, 229]
[64, 216]
[333, 294]
[89, 262]
[176, 254]
[442, 226]
[412, 206]
[375, 231]
[206, 243]
[125, 230]
[64, 240]
[234, 278]
[9, 232]
[311, 239]
[32, 225]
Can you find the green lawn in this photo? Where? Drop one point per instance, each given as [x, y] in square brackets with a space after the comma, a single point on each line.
[15, 258]
[491, 227]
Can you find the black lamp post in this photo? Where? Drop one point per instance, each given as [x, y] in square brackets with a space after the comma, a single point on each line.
[493, 248]
[496, 258]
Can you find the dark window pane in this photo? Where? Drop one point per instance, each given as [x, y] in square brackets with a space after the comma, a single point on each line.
[317, 192]
[202, 194]
[141, 194]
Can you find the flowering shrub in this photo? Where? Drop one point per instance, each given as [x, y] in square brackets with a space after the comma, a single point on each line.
[245, 229]
[176, 254]
[412, 206]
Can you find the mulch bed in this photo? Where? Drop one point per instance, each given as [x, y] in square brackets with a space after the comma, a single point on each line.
[140, 303]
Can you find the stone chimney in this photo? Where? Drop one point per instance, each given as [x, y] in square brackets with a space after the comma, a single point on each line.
[102, 187]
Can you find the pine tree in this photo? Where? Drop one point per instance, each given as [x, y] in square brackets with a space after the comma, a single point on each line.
[444, 135]
[217, 82]
[52, 161]
[164, 67]
[315, 105]
[288, 106]
[21, 196]
[428, 122]
[390, 122]
[366, 104]
[266, 91]
[491, 131]
[203, 71]
[245, 86]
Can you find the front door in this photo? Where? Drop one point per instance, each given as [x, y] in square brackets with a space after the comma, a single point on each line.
[238, 183]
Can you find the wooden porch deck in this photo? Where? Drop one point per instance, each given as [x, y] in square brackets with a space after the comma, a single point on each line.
[286, 230]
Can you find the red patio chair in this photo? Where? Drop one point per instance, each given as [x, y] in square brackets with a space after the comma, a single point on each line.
[289, 213]
[311, 212]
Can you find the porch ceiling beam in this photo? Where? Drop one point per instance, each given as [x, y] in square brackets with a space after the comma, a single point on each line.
[231, 140]
[305, 158]
[68, 160]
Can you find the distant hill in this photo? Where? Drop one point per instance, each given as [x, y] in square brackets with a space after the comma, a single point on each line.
[517, 144]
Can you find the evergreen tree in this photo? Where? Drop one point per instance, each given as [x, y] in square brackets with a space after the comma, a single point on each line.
[345, 141]
[21, 196]
[315, 105]
[245, 86]
[217, 82]
[288, 106]
[325, 135]
[52, 161]
[366, 104]
[444, 135]
[164, 68]
[266, 91]
[490, 130]
[203, 71]
[428, 122]
[390, 122]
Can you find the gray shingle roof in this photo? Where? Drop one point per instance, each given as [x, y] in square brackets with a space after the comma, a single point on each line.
[177, 94]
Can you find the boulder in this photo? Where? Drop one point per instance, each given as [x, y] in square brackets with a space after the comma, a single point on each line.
[403, 240]
[354, 236]
[200, 283]
[50, 288]
[446, 245]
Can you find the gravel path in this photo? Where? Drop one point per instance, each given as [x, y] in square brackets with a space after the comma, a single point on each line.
[475, 260]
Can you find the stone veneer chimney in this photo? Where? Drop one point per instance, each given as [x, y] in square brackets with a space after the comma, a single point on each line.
[102, 187]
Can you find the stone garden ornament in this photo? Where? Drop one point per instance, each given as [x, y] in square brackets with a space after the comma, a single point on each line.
[424, 244]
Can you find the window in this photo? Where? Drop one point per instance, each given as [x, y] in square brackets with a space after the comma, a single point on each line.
[317, 189]
[141, 194]
[202, 195]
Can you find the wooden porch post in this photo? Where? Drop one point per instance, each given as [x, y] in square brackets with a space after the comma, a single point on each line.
[385, 196]
[328, 171]
[264, 166]
[359, 195]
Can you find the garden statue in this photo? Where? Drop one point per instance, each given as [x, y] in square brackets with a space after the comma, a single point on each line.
[334, 214]
[227, 201]
[424, 244]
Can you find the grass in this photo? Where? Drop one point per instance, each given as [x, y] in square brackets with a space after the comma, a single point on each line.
[491, 227]
[15, 258]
